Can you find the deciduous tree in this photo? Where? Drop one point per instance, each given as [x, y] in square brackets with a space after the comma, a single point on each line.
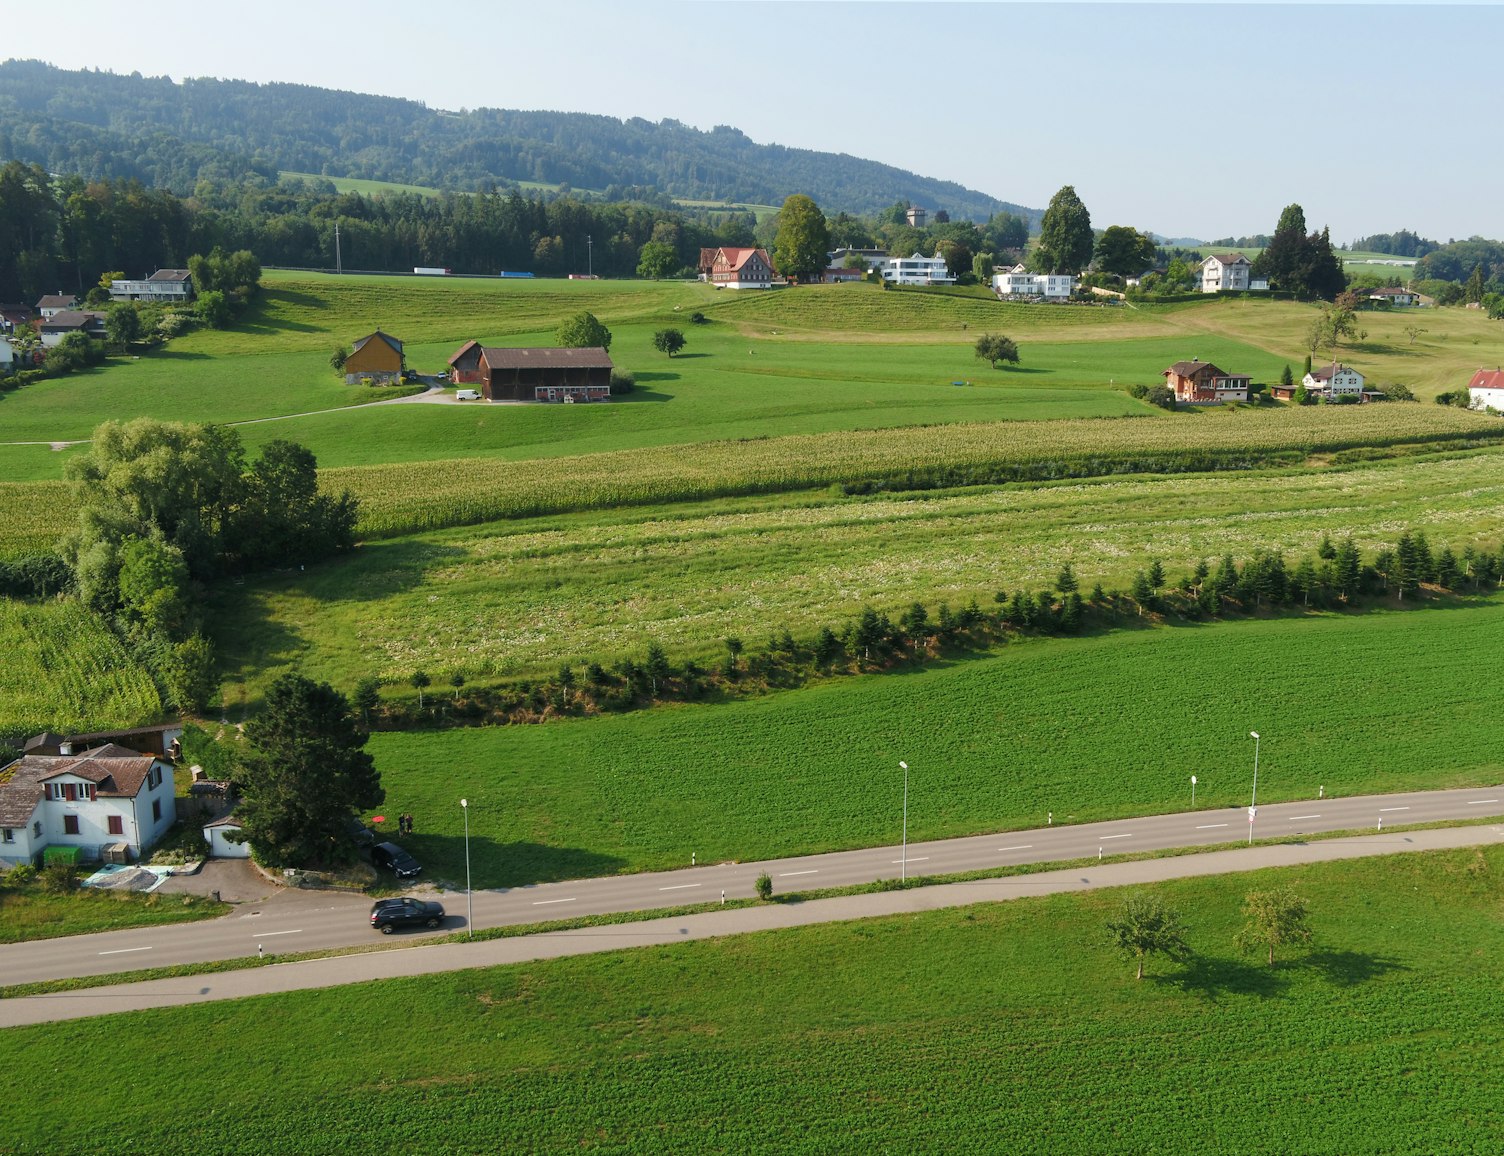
[993, 348]
[1275, 918]
[802, 245]
[656, 259]
[1123, 250]
[1145, 927]
[668, 341]
[583, 331]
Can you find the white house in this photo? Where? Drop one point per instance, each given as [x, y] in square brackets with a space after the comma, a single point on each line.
[1486, 390]
[1224, 271]
[165, 285]
[1394, 296]
[916, 270]
[105, 797]
[1334, 381]
[54, 303]
[87, 321]
[1019, 282]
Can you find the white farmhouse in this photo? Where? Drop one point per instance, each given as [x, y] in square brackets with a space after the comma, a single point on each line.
[1486, 390]
[1334, 381]
[1019, 282]
[109, 797]
[1223, 271]
[917, 270]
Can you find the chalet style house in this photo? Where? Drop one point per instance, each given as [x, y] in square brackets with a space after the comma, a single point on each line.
[732, 268]
[1201, 383]
[111, 803]
[1334, 381]
[165, 286]
[1225, 271]
[1486, 390]
[566, 375]
[376, 357]
[56, 303]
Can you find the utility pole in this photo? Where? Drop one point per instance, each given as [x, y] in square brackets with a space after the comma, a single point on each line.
[339, 265]
[589, 256]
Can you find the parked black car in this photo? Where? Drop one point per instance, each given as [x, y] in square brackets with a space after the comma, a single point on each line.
[405, 912]
[360, 834]
[390, 857]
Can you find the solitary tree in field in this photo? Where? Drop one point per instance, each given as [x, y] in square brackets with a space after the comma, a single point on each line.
[583, 331]
[668, 341]
[656, 259]
[1146, 927]
[802, 245]
[995, 347]
[1275, 918]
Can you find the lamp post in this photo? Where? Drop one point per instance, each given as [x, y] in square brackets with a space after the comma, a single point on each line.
[903, 857]
[1253, 802]
[469, 910]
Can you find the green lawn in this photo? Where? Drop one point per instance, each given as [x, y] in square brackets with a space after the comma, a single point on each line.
[31, 913]
[1086, 728]
[997, 1028]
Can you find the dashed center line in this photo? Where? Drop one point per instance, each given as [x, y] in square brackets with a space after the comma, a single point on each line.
[1209, 826]
[786, 874]
[678, 887]
[543, 902]
[1394, 808]
[269, 934]
[1479, 802]
[913, 859]
[1127, 836]
[1297, 818]
[123, 950]
[1020, 847]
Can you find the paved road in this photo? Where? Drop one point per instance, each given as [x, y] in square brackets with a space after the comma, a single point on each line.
[436, 958]
[300, 921]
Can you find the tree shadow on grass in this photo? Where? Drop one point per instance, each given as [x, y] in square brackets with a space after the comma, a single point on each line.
[1350, 968]
[1212, 977]
[496, 864]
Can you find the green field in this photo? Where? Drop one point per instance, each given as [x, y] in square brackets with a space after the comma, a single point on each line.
[1005, 1027]
[522, 596]
[364, 187]
[1086, 728]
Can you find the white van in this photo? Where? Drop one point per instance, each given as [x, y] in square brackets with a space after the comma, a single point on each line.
[467, 395]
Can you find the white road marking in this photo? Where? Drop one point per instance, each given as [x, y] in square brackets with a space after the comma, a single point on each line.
[1298, 818]
[678, 887]
[1020, 847]
[1209, 826]
[1127, 836]
[1394, 808]
[913, 859]
[269, 934]
[123, 950]
[543, 902]
[786, 874]
[1478, 802]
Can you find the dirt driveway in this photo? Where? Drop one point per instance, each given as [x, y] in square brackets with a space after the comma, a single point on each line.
[235, 880]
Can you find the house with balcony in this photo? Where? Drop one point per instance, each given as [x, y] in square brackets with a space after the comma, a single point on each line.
[1198, 382]
[109, 802]
[916, 270]
[1224, 271]
[165, 287]
[1019, 282]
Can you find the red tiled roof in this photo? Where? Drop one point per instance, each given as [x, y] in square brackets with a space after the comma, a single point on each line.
[1487, 379]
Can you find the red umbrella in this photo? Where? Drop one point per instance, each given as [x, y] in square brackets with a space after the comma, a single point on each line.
[379, 819]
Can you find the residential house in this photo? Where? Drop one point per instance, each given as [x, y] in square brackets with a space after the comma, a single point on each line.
[166, 286]
[1391, 295]
[162, 739]
[916, 270]
[1223, 271]
[53, 329]
[1019, 282]
[871, 258]
[376, 357]
[839, 275]
[57, 303]
[1202, 383]
[1334, 381]
[13, 317]
[739, 268]
[110, 800]
[7, 357]
[567, 375]
[1486, 390]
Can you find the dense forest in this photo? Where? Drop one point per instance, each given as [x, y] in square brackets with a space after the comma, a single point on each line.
[101, 126]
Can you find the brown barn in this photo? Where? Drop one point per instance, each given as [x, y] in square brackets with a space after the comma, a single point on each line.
[464, 366]
[545, 374]
[377, 357]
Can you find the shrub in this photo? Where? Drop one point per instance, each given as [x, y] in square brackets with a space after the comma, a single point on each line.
[20, 875]
[622, 382]
[59, 878]
[764, 887]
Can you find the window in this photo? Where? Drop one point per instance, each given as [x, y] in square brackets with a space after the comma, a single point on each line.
[70, 824]
[156, 809]
[116, 825]
[7, 835]
[154, 777]
[36, 829]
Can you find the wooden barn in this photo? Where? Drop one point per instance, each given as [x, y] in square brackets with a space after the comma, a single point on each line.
[375, 357]
[545, 374]
[464, 366]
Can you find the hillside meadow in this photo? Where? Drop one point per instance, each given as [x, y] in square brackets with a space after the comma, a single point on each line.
[1088, 728]
[520, 597]
[998, 1027]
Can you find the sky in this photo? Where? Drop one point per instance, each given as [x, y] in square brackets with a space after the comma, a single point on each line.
[1185, 119]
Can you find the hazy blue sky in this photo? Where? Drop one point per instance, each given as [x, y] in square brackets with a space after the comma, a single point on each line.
[1187, 119]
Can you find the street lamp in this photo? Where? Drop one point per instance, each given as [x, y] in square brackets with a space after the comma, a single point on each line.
[903, 857]
[1254, 801]
[469, 910]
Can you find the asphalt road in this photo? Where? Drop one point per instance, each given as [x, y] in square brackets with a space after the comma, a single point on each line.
[433, 959]
[302, 921]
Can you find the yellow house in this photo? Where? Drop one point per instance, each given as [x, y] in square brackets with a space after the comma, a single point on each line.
[377, 357]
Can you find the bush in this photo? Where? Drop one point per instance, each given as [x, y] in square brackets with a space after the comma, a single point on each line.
[59, 878]
[20, 875]
[764, 887]
[622, 382]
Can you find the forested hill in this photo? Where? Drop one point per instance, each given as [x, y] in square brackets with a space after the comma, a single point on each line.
[99, 124]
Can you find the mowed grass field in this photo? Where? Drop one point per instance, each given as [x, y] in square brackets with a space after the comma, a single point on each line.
[520, 597]
[1087, 728]
[1005, 1027]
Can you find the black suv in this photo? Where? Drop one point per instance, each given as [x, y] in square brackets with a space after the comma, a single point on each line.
[393, 858]
[405, 912]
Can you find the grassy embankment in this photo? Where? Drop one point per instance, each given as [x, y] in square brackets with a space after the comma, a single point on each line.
[32, 913]
[1004, 1027]
[1087, 728]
